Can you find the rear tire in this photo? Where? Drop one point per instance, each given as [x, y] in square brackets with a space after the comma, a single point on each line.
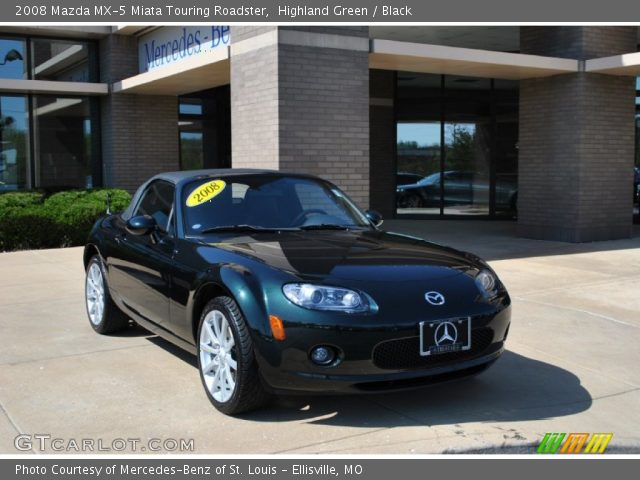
[104, 315]
[226, 359]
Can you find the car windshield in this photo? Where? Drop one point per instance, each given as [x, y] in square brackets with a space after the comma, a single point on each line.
[429, 179]
[266, 202]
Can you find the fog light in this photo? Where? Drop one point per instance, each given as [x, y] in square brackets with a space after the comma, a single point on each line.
[323, 355]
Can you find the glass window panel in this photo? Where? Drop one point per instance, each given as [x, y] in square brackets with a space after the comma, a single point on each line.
[191, 144]
[12, 58]
[14, 142]
[636, 167]
[190, 106]
[62, 60]
[466, 174]
[467, 135]
[506, 145]
[418, 175]
[63, 141]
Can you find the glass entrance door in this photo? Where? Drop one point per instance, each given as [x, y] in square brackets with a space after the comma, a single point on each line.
[456, 146]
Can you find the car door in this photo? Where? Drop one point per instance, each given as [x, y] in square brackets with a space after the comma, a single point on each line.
[140, 269]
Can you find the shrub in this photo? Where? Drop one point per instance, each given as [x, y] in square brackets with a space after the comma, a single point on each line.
[31, 220]
[19, 199]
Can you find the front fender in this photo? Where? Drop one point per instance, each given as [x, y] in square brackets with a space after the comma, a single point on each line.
[249, 295]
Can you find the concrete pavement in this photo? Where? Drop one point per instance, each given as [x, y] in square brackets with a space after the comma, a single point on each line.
[571, 366]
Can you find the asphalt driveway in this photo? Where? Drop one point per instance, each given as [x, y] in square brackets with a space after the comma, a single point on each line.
[571, 366]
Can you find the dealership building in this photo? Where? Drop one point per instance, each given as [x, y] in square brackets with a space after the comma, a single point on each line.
[534, 124]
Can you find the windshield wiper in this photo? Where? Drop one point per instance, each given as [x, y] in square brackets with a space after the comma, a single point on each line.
[240, 228]
[325, 226]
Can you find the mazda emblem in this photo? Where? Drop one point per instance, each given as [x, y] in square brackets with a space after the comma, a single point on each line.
[434, 298]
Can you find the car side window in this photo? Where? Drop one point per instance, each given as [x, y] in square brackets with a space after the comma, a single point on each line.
[157, 201]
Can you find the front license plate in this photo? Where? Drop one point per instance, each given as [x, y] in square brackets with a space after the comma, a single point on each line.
[444, 336]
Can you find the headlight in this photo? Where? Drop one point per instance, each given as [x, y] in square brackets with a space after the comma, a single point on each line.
[486, 283]
[317, 297]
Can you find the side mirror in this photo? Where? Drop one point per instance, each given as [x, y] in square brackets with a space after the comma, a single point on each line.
[374, 217]
[141, 225]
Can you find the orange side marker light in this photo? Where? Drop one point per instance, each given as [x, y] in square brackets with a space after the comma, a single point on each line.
[277, 328]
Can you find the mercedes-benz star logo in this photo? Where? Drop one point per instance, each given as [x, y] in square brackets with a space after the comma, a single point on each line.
[446, 333]
[434, 298]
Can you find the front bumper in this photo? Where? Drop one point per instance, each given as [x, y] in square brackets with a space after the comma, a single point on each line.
[376, 359]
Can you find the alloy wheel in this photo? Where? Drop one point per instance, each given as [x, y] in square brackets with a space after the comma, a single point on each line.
[218, 361]
[95, 293]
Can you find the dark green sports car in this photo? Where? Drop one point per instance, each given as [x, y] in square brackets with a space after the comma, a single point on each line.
[279, 283]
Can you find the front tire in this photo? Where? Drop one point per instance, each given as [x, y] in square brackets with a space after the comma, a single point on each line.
[104, 315]
[226, 360]
[413, 201]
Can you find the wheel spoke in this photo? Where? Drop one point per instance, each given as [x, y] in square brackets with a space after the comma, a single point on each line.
[232, 363]
[217, 377]
[217, 324]
[209, 348]
[210, 334]
[95, 274]
[228, 339]
[229, 379]
[211, 365]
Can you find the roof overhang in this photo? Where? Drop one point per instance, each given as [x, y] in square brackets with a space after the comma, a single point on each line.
[53, 87]
[136, 30]
[207, 70]
[426, 58]
[627, 64]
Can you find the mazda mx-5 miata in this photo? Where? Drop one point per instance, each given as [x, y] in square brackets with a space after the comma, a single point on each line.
[279, 283]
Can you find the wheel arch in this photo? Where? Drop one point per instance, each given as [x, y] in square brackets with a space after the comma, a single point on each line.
[204, 293]
[90, 250]
[243, 289]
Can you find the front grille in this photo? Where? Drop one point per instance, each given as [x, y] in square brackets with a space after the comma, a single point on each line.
[405, 352]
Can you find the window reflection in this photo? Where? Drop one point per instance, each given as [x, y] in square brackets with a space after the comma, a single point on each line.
[13, 63]
[61, 60]
[64, 141]
[191, 157]
[204, 125]
[418, 177]
[14, 142]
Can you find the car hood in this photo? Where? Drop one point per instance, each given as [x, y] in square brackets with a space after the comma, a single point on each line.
[371, 256]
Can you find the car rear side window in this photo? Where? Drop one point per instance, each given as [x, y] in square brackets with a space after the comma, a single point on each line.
[157, 201]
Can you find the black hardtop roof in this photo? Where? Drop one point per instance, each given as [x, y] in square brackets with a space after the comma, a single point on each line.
[184, 176]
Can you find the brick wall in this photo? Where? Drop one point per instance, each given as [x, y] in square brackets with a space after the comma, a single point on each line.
[578, 42]
[139, 132]
[254, 103]
[302, 109]
[139, 138]
[324, 116]
[576, 144]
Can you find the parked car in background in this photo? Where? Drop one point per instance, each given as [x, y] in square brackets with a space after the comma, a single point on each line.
[460, 188]
[404, 178]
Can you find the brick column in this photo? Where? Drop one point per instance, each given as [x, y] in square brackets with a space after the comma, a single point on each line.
[139, 132]
[576, 142]
[300, 102]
